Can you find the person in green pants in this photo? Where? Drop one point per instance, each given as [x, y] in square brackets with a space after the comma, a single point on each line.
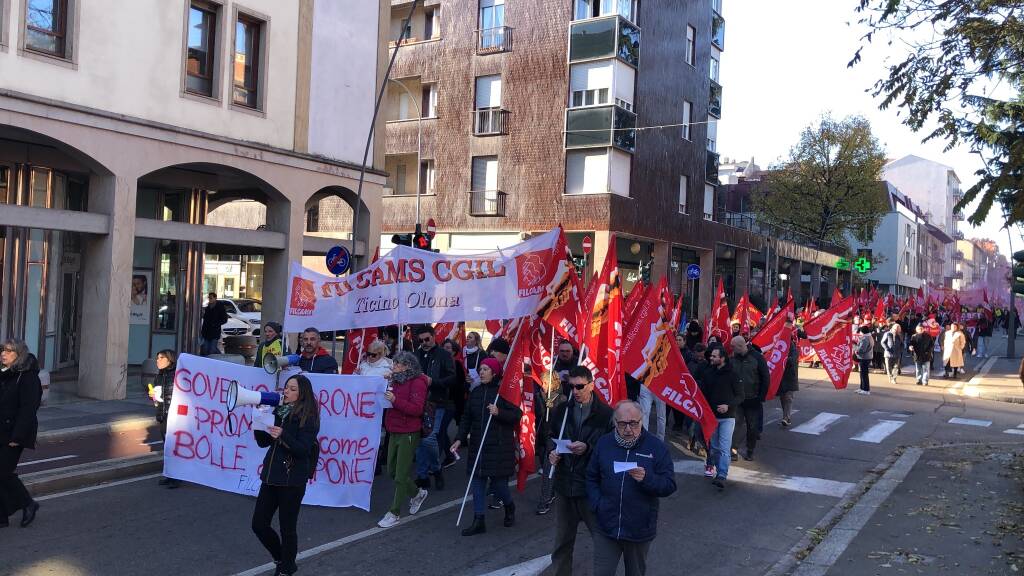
[407, 393]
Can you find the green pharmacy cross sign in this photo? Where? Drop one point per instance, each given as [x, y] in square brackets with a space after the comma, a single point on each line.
[842, 263]
[862, 265]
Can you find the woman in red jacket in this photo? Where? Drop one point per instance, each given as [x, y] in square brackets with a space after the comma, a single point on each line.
[407, 394]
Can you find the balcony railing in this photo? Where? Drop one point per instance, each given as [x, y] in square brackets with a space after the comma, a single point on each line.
[490, 122]
[711, 167]
[958, 235]
[718, 30]
[494, 40]
[487, 203]
[746, 221]
[606, 37]
[715, 100]
[599, 127]
[958, 216]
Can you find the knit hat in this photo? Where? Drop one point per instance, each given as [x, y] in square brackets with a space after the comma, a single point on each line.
[276, 327]
[493, 364]
[500, 345]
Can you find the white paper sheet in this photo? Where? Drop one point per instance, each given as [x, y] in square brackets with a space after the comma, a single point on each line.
[562, 446]
[262, 418]
[623, 466]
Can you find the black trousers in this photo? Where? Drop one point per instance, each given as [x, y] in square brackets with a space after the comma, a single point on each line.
[569, 513]
[748, 418]
[13, 495]
[286, 501]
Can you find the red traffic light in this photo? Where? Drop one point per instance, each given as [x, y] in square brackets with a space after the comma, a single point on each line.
[422, 242]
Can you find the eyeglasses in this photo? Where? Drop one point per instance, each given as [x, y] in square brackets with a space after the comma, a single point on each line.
[425, 339]
[627, 424]
[580, 386]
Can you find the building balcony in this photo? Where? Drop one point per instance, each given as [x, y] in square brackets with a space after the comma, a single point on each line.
[715, 100]
[413, 136]
[605, 37]
[711, 168]
[600, 127]
[494, 40]
[718, 30]
[958, 216]
[487, 203]
[958, 235]
[490, 122]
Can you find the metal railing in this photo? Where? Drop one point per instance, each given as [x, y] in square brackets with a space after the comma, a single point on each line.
[490, 121]
[494, 40]
[487, 203]
[750, 223]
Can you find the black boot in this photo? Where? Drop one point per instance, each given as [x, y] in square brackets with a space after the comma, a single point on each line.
[423, 483]
[510, 515]
[438, 480]
[28, 514]
[477, 527]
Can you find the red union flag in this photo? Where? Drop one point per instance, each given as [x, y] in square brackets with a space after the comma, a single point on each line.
[746, 313]
[515, 390]
[678, 388]
[358, 342]
[303, 300]
[562, 305]
[718, 324]
[807, 353]
[832, 339]
[774, 340]
[602, 340]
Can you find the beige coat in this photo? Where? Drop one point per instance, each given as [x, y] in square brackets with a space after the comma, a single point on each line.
[953, 349]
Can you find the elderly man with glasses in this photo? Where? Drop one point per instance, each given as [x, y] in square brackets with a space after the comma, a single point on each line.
[628, 472]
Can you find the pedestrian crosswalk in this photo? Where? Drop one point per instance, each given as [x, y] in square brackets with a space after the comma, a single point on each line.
[1019, 430]
[880, 426]
[819, 423]
[879, 431]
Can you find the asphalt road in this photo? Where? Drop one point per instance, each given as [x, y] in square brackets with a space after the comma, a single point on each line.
[798, 476]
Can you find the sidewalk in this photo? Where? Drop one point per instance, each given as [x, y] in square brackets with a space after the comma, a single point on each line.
[998, 377]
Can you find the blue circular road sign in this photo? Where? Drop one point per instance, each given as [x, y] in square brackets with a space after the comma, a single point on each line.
[693, 272]
[338, 260]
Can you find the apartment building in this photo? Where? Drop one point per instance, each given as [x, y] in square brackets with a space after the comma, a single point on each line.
[506, 117]
[126, 127]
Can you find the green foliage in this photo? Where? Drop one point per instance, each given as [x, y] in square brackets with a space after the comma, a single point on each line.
[958, 52]
[828, 188]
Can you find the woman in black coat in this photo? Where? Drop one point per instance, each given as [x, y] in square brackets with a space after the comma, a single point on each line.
[161, 395]
[292, 455]
[498, 456]
[790, 381]
[20, 396]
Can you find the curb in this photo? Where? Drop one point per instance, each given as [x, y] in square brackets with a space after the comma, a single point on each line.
[91, 473]
[997, 398]
[127, 425]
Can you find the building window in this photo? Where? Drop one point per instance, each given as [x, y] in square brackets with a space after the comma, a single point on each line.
[712, 145]
[691, 45]
[428, 101]
[586, 172]
[709, 202]
[684, 184]
[431, 24]
[627, 106]
[594, 8]
[714, 68]
[485, 173]
[46, 25]
[248, 61]
[591, 97]
[492, 23]
[488, 92]
[427, 175]
[687, 118]
[201, 50]
[907, 268]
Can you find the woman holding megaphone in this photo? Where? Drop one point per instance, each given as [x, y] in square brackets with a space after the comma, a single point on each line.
[292, 453]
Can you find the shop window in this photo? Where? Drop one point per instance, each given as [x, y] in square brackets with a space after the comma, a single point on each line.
[167, 298]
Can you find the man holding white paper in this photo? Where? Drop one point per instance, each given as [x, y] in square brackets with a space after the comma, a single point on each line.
[574, 428]
[629, 470]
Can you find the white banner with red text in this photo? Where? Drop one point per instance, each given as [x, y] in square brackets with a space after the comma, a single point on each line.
[208, 445]
[411, 286]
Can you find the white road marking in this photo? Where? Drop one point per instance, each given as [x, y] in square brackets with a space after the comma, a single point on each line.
[819, 423]
[1020, 425]
[528, 568]
[971, 422]
[43, 461]
[879, 431]
[970, 388]
[1017, 431]
[97, 487]
[804, 484]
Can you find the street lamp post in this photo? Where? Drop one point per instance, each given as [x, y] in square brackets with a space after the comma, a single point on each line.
[419, 143]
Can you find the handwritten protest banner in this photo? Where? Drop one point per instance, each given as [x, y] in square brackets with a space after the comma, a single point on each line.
[208, 445]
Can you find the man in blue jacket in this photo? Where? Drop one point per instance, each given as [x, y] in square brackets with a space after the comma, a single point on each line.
[625, 503]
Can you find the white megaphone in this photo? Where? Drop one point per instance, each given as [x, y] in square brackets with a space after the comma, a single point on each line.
[238, 396]
[274, 364]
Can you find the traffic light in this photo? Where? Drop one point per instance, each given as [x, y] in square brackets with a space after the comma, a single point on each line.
[402, 239]
[420, 240]
[1017, 276]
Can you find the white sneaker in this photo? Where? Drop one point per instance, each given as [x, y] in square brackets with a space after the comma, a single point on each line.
[865, 392]
[417, 501]
[388, 520]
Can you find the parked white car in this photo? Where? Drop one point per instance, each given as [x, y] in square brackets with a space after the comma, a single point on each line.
[246, 310]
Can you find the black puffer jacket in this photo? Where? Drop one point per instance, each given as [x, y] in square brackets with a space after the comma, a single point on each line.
[721, 386]
[791, 375]
[20, 396]
[290, 456]
[164, 379]
[499, 451]
[571, 473]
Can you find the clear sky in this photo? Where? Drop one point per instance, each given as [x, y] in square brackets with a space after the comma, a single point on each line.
[785, 64]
